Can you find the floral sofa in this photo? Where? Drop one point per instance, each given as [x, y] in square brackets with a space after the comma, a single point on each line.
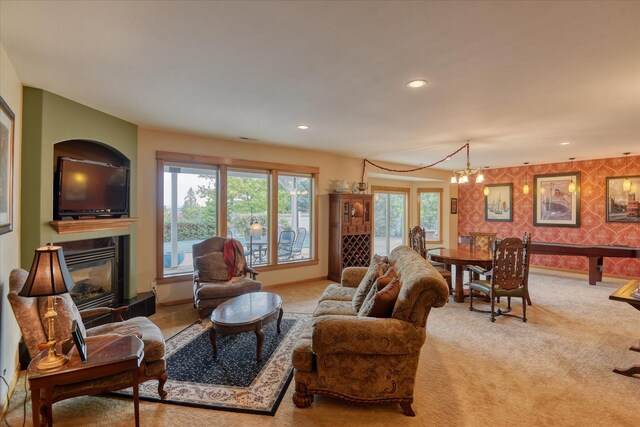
[368, 360]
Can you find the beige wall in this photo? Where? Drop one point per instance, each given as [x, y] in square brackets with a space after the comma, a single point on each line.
[332, 167]
[11, 92]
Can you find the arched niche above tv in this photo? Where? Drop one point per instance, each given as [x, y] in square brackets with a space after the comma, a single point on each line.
[91, 181]
[89, 150]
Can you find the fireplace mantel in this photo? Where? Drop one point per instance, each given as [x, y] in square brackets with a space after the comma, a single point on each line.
[84, 225]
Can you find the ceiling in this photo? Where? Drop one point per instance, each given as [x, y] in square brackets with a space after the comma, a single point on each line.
[514, 78]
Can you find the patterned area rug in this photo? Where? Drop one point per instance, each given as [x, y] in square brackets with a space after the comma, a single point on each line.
[234, 381]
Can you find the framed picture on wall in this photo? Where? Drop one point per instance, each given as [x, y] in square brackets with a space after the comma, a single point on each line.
[498, 204]
[556, 200]
[7, 119]
[623, 205]
[454, 206]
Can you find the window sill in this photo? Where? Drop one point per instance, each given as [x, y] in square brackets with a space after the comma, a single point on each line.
[189, 277]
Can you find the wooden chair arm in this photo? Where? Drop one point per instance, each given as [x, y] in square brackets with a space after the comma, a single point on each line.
[253, 273]
[100, 311]
[478, 270]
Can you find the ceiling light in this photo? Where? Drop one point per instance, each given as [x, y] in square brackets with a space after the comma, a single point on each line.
[415, 84]
[303, 127]
[565, 143]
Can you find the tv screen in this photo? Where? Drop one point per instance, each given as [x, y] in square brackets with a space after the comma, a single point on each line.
[91, 188]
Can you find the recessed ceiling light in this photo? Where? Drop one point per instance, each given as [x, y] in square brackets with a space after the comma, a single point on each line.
[303, 127]
[565, 143]
[415, 84]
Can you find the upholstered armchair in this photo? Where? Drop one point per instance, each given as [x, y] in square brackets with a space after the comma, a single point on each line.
[362, 359]
[29, 313]
[220, 274]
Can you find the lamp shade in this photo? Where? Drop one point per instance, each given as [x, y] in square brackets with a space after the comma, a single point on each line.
[48, 275]
[255, 229]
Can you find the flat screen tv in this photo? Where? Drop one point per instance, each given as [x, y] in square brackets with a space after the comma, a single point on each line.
[88, 188]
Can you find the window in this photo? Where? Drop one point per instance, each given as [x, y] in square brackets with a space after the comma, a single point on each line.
[205, 196]
[189, 213]
[295, 204]
[430, 213]
[248, 203]
[389, 218]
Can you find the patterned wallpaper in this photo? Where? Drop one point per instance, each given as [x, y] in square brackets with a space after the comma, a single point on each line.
[594, 229]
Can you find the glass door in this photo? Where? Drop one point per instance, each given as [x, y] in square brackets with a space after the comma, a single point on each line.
[389, 219]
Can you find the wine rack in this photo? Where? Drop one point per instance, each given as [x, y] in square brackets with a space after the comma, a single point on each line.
[350, 236]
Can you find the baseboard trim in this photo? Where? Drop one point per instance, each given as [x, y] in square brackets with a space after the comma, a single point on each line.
[295, 282]
[12, 388]
[580, 272]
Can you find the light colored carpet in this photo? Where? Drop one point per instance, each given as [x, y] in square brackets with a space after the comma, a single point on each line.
[553, 370]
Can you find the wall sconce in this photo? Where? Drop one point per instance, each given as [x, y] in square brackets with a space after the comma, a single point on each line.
[626, 183]
[525, 187]
[485, 190]
[572, 184]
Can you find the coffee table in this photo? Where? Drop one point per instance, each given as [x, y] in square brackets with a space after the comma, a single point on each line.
[624, 294]
[246, 313]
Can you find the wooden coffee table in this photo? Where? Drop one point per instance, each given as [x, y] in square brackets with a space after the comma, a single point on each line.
[246, 313]
[624, 294]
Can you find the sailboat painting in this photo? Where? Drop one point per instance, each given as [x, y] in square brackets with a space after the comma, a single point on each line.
[498, 204]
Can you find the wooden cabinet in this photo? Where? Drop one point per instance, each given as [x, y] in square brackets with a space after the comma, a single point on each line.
[350, 232]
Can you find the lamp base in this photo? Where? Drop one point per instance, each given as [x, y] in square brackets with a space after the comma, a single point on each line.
[52, 361]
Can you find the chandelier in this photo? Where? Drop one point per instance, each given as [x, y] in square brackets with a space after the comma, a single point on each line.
[462, 176]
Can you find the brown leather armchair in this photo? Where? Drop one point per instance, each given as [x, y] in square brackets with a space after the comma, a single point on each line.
[29, 313]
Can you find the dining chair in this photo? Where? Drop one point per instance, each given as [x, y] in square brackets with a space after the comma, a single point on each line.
[418, 242]
[509, 276]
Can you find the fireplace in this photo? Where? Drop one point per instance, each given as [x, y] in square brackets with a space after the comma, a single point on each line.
[97, 268]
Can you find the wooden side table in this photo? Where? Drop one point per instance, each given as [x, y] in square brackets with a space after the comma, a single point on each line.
[624, 294]
[106, 355]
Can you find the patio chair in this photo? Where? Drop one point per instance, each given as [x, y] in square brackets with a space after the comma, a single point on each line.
[285, 244]
[298, 243]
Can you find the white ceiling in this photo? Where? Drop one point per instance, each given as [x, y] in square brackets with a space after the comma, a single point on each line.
[515, 78]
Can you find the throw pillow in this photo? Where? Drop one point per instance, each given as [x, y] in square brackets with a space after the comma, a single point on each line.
[212, 267]
[379, 283]
[381, 302]
[376, 269]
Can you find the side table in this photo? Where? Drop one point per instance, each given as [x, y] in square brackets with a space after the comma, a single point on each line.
[106, 355]
[624, 294]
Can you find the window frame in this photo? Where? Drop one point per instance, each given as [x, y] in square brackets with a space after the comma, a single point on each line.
[223, 165]
[396, 190]
[440, 193]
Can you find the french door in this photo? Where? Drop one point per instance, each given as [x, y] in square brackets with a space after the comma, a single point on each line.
[389, 218]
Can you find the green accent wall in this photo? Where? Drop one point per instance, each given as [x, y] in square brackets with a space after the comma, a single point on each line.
[47, 120]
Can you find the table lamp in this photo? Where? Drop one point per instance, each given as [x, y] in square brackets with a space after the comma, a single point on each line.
[255, 229]
[48, 277]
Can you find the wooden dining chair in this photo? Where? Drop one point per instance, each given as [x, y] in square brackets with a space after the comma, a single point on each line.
[509, 276]
[418, 242]
[482, 240]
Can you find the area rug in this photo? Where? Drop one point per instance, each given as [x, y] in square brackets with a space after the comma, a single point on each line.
[234, 381]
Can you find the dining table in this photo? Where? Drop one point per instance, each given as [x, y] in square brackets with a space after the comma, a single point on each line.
[458, 258]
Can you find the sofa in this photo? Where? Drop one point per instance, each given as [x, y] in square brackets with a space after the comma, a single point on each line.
[362, 359]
